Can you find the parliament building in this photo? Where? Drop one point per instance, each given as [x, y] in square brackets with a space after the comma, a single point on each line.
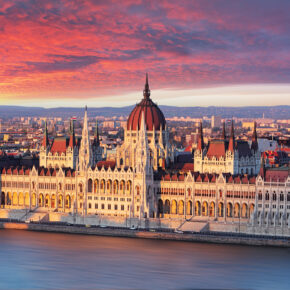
[227, 183]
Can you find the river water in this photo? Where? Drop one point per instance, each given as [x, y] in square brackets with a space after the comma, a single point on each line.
[32, 260]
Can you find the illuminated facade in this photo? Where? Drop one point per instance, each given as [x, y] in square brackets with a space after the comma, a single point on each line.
[141, 184]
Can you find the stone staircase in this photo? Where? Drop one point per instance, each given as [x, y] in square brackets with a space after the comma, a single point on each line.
[37, 215]
[194, 225]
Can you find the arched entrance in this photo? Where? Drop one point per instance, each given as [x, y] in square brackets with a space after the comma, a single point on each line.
[47, 201]
[174, 207]
[27, 199]
[67, 202]
[40, 200]
[237, 210]
[2, 199]
[181, 207]
[53, 199]
[244, 211]
[197, 209]
[221, 209]
[167, 207]
[160, 208]
[229, 210]
[212, 209]
[189, 208]
[204, 209]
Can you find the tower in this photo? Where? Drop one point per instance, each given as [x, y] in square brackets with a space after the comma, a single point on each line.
[200, 142]
[232, 139]
[224, 132]
[85, 155]
[254, 145]
[96, 148]
[44, 148]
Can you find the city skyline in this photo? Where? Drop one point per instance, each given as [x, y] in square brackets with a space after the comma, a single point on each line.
[220, 53]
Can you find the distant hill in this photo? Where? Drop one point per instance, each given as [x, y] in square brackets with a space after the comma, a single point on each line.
[274, 112]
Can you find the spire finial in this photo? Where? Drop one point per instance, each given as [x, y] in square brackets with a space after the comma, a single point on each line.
[146, 92]
[224, 131]
[200, 142]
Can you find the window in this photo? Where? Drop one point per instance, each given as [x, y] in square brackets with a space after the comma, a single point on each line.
[122, 207]
[281, 197]
[103, 206]
[116, 207]
[96, 206]
[90, 205]
[109, 206]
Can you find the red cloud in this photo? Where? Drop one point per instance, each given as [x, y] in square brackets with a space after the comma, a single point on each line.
[49, 47]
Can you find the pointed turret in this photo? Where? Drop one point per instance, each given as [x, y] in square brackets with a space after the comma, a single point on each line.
[146, 92]
[232, 138]
[254, 145]
[96, 135]
[72, 141]
[200, 142]
[224, 132]
[45, 141]
[85, 148]
[262, 168]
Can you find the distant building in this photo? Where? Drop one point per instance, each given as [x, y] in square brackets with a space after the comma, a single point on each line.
[216, 121]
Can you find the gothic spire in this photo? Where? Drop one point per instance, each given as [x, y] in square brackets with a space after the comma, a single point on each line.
[72, 134]
[96, 135]
[85, 148]
[224, 131]
[200, 143]
[232, 138]
[45, 141]
[146, 92]
[254, 145]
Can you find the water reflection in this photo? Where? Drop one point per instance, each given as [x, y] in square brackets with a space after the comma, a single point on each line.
[31, 260]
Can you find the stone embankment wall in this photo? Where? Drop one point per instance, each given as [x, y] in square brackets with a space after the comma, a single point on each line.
[118, 232]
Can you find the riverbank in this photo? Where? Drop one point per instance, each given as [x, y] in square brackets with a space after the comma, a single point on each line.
[217, 237]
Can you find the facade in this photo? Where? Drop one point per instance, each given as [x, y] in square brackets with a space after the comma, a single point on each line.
[160, 150]
[227, 155]
[144, 184]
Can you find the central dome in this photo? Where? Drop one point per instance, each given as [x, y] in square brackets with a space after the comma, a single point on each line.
[153, 116]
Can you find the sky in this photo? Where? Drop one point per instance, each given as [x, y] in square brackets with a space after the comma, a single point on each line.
[96, 53]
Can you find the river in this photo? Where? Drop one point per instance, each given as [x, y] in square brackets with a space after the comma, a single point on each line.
[36, 260]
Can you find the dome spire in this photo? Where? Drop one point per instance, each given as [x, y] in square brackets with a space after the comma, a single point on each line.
[146, 92]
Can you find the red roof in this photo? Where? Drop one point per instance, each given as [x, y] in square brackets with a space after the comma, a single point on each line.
[106, 164]
[59, 145]
[276, 175]
[216, 149]
[153, 116]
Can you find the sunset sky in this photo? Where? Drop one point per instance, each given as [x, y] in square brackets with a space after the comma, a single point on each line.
[197, 52]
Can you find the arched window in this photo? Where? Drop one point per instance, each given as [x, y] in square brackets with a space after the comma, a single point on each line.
[281, 197]
[90, 185]
[229, 210]
[167, 206]
[197, 210]
[174, 207]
